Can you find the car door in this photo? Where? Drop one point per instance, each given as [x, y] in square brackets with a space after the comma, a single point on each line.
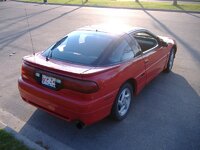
[152, 53]
[137, 66]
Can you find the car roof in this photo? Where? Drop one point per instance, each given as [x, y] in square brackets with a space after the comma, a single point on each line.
[115, 29]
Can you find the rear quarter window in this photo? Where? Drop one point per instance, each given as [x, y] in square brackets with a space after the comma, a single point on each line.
[121, 53]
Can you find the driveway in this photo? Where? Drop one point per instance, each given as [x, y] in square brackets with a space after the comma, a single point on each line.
[165, 115]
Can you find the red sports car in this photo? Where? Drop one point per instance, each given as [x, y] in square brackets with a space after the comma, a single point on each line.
[94, 72]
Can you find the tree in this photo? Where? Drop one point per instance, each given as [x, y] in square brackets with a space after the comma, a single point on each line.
[175, 2]
[84, 1]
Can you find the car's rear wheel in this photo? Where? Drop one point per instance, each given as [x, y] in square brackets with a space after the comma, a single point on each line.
[170, 61]
[122, 102]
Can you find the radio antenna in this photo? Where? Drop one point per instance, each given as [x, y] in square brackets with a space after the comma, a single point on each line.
[33, 50]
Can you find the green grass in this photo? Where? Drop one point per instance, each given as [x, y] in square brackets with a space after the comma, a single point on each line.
[8, 142]
[128, 4]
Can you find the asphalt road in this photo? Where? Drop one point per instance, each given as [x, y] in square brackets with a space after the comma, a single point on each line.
[165, 115]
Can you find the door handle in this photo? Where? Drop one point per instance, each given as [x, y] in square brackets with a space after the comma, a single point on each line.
[146, 61]
[142, 75]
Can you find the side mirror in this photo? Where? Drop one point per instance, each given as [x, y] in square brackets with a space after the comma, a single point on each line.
[163, 43]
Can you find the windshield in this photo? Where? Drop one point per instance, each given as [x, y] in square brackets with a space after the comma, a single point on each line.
[80, 47]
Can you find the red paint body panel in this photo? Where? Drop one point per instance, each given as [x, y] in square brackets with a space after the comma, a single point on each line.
[89, 108]
[70, 108]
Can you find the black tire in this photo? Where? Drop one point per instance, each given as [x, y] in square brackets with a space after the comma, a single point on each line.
[170, 61]
[117, 114]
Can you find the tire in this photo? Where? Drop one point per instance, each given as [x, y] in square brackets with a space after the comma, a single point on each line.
[170, 61]
[122, 105]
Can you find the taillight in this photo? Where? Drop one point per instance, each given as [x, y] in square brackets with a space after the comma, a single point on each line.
[81, 85]
[27, 71]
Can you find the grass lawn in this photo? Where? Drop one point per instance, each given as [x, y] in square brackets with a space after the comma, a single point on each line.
[8, 142]
[127, 4]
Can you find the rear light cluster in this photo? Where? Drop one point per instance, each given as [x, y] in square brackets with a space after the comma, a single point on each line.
[78, 85]
[27, 72]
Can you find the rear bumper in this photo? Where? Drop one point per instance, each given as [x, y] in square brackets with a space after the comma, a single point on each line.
[65, 107]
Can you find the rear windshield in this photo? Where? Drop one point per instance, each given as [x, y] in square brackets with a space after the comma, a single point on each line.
[80, 47]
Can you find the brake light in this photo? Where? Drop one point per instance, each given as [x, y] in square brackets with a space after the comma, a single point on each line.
[27, 71]
[80, 85]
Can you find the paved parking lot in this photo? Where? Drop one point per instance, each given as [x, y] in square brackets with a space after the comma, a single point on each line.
[165, 115]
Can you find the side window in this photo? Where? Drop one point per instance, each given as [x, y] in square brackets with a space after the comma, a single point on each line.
[145, 40]
[122, 52]
[135, 46]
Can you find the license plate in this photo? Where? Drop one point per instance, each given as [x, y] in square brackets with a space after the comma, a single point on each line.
[49, 81]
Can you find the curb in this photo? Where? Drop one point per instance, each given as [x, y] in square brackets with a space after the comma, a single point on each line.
[20, 137]
[36, 136]
[144, 9]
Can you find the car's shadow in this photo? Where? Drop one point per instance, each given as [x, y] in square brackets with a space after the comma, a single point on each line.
[165, 115]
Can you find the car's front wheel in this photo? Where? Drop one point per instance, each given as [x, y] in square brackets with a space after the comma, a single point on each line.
[122, 102]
